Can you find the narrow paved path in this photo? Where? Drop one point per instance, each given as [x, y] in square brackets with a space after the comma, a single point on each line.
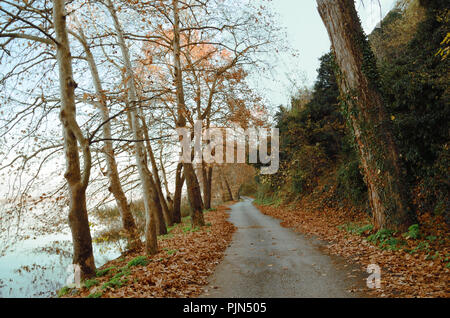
[267, 260]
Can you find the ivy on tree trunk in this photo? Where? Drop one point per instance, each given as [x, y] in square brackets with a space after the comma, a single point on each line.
[363, 106]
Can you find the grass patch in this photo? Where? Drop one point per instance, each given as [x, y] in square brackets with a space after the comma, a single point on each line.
[117, 280]
[356, 228]
[166, 236]
[268, 200]
[138, 261]
[170, 252]
[115, 283]
[422, 246]
[105, 271]
[123, 272]
[63, 291]
[189, 228]
[95, 295]
[169, 232]
[90, 282]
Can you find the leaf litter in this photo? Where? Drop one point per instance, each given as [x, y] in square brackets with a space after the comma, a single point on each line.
[181, 268]
[418, 268]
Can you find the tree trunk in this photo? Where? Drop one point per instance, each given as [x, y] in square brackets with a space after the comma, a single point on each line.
[166, 184]
[170, 205]
[224, 186]
[227, 188]
[359, 85]
[128, 222]
[161, 226]
[160, 223]
[194, 195]
[221, 187]
[78, 218]
[165, 209]
[151, 201]
[193, 188]
[207, 176]
[179, 181]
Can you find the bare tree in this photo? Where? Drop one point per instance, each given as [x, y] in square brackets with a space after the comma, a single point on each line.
[115, 187]
[150, 196]
[77, 181]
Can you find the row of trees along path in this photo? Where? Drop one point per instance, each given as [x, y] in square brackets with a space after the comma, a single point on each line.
[192, 65]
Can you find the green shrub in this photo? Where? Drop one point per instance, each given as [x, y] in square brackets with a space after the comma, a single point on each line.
[268, 200]
[385, 240]
[307, 167]
[415, 86]
[364, 228]
[299, 182]
[380, 236]
[413, 232]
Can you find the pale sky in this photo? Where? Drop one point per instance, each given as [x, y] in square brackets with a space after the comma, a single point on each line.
[307, 34]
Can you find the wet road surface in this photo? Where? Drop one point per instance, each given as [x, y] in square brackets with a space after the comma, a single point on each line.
[267, 260]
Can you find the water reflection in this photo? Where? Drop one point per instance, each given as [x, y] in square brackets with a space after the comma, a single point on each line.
[38, 267]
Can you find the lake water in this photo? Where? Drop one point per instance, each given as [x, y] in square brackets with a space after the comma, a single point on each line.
[38, 267]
